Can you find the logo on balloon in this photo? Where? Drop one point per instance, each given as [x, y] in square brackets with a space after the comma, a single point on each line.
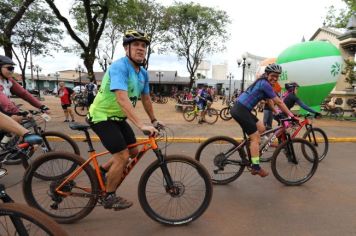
[336, 69]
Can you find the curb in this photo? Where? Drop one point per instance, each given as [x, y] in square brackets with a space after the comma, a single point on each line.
[199, 139]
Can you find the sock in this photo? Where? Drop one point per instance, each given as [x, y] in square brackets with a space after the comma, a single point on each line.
[256, 163]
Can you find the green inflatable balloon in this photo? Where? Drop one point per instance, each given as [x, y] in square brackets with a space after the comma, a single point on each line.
[315, 66]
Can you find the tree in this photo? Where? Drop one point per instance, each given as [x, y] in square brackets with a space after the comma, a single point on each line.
[90, 16]
[11, 12]
[350, 74]
[339, 18]
[194, 32]
[144, 15]
[35, 33]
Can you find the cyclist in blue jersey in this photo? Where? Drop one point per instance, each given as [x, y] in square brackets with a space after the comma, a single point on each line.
[261, 89]
[123, 84]
[202, 101]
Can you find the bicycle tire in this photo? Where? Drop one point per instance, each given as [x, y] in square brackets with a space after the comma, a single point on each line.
[322, 147]
[225, 114]
[52, 141]
[40, 194]
[30, 217]
[81, 109]
[189, 114]
[211, 116]
[209, 154]
[175, 166]
[279, 161]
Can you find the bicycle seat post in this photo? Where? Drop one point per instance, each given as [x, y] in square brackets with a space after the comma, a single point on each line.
[88, 139]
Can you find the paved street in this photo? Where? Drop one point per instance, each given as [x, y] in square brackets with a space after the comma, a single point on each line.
[251, 205]
[326, 205]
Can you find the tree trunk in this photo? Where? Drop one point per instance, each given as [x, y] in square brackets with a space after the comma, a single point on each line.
[10, 26]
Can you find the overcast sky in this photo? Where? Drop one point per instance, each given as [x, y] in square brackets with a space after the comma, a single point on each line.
[263, 28]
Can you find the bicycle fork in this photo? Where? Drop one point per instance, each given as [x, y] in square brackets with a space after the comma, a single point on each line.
[290, 151]
[171, 187]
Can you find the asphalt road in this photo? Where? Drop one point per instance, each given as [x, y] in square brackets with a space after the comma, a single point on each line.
[326, 205]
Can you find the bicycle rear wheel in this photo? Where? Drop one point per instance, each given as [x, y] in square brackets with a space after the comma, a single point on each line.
[211, 116]
[18, 219]
[186, 201]
[80, 194]
[189, 114]
[319, 140]
[81, 109]
[294, 171]
[222, 165]
[52, 141]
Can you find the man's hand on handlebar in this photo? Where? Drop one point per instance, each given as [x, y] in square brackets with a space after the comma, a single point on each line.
[158, 124]
[149, 130]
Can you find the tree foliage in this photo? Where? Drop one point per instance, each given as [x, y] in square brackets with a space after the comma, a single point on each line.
[90, 17]
[11, 12]
[339, 18]
[37, 33]
[349, 72]
[144, 15]
[195, 31]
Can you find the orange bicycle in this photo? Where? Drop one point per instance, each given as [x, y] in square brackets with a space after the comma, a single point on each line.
[173, 190]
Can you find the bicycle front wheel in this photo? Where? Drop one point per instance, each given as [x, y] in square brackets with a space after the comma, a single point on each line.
[223, 164]
[18, 219]
[78, 197]
[211, 116]
[318, 138]
[189, 114]
[225, 114]
[294, 163]
[181, 204]
[81, 109]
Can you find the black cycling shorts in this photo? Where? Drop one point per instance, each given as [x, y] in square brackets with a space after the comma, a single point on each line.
[245, 118]
[65, 106]
[115, 135]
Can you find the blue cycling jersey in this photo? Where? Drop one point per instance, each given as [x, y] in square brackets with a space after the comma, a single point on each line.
[261, 90]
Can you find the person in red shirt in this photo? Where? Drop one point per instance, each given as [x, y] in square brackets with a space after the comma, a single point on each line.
[65, 95]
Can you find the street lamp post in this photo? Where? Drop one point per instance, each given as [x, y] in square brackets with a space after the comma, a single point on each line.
[159, 74]
[104, 62]
[57, 76]
[230, 76]
[243, 62]
[37, 69]
[79, 69]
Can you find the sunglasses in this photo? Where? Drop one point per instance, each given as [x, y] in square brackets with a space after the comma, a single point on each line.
[9, 68]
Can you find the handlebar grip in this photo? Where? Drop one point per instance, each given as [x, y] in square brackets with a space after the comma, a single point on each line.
[146, 132]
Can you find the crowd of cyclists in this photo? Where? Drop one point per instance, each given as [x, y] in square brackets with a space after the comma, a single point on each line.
[124, 83]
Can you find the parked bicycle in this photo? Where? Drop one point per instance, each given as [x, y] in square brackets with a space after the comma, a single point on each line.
[18, 219]
[192, 112]
[160, 99]
[173, 190]
[52, 140]
[316, 136]
[294, 161]
[81, 107]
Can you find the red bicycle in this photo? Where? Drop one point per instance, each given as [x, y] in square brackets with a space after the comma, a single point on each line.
[316, 136]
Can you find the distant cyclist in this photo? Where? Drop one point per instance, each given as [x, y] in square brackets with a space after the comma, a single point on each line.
[91, 90]
[202, 100]
[261, 89]
[290, 98]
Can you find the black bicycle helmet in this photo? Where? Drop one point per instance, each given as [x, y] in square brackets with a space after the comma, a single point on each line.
[4, 60]
[134, 35]
[291, 85]
[273, 68]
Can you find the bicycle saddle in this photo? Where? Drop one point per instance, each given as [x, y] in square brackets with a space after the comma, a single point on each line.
[77, 126]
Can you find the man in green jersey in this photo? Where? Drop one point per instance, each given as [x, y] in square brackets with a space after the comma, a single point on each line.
[124, 82]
